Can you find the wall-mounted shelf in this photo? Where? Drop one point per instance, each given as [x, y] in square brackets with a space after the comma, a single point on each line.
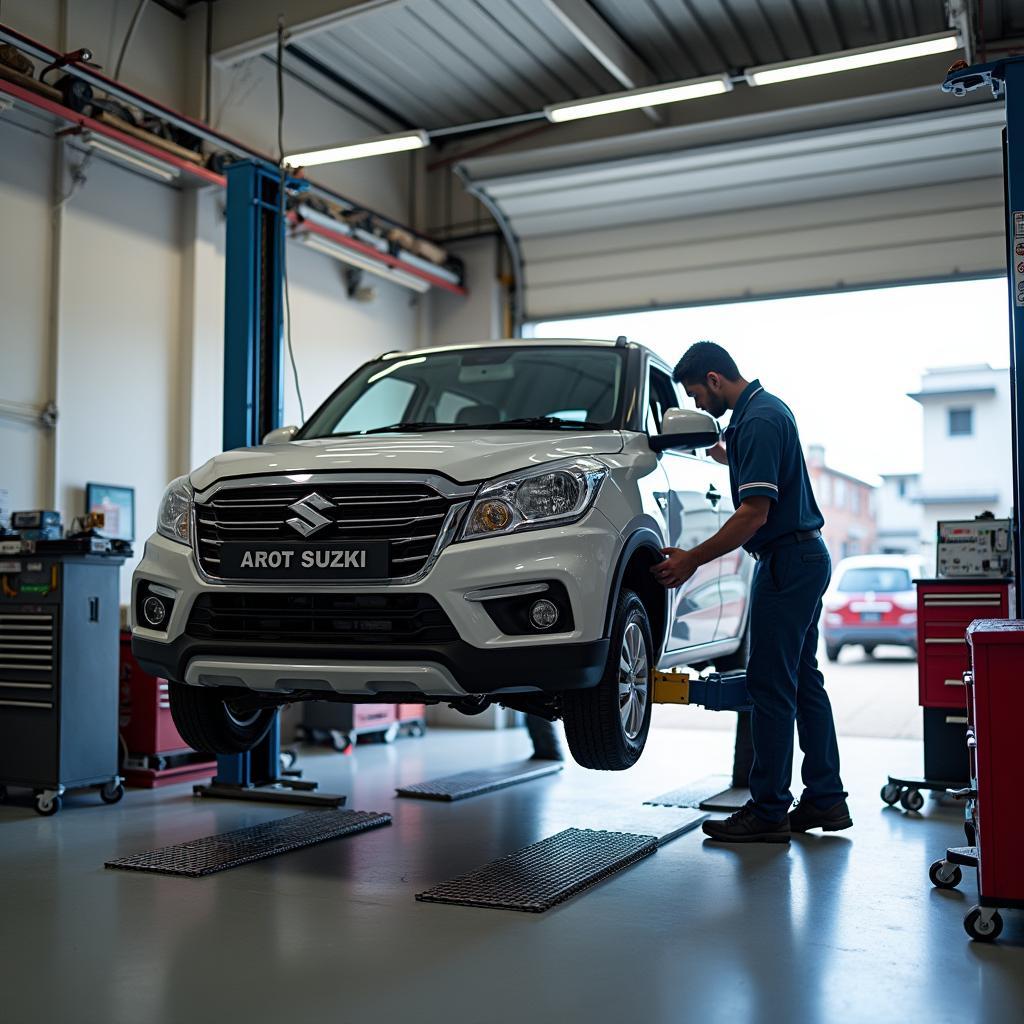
[339, 227]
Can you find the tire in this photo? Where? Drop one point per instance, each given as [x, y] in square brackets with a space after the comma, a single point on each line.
[974, 928]
[890, 793]
[869, 650]
[945, 876]
[206, 723]
[606, 726]
[832, 651]
[112, 794]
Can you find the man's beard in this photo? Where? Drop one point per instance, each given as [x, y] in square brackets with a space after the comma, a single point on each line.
[717, 408]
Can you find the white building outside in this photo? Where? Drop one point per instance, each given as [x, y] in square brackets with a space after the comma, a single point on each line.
[967, 466]
[900, 514]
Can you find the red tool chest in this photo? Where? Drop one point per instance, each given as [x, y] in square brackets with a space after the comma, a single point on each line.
[945, 608]
[153, 753]
[995, 688]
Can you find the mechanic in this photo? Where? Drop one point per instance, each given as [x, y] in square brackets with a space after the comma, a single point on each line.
[778, 521]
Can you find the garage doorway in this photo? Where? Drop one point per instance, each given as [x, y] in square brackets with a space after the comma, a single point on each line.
[902, 398]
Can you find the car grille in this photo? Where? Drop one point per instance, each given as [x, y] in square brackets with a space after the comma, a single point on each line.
[407, 515]
[337, 619]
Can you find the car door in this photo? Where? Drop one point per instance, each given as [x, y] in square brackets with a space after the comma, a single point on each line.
[692, 516]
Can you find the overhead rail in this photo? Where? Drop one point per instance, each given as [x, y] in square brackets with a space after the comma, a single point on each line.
[91, 111]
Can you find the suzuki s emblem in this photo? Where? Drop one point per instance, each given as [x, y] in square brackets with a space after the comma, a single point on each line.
[309, 520]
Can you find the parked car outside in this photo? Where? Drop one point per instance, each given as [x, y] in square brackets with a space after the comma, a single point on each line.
[872, 601]
[468, 525]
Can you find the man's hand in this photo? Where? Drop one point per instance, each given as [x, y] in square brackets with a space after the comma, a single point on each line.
[677, 568]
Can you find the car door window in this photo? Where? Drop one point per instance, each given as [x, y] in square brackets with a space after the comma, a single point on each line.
[661, 395]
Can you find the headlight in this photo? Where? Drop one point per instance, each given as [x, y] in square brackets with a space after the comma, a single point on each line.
[174, 518]
[549, 496]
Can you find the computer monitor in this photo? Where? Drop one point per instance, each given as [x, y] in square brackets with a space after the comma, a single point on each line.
[118, 507]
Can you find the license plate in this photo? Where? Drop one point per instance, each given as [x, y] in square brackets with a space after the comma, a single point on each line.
[323, 562]
[870, 616]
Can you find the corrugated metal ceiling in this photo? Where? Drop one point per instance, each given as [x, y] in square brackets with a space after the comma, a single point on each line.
[438, 63]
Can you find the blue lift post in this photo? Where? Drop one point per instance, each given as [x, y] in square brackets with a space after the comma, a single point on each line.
[1006, 79]
[253, 406]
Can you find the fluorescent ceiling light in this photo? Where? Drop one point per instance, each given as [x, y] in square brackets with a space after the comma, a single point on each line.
[355, 259]
[636, 99]
[850, 60]
[400, 142]
[130, 157]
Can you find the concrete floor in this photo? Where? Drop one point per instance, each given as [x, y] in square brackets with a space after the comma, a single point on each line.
[837, 928]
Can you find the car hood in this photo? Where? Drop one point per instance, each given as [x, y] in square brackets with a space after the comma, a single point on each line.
[462, 455]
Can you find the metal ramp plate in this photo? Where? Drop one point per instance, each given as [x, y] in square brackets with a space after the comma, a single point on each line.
[483, 780]
[714, 793]
[541, 875]
[216, 853]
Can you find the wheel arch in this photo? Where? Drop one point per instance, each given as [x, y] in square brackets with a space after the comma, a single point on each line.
[642, 550]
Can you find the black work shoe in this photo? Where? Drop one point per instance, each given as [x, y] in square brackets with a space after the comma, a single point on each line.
[806, 816]
[746, 827]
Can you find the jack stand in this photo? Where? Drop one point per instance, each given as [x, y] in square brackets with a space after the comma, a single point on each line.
[257, 775]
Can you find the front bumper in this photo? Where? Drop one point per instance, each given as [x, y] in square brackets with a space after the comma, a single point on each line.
[483, 660]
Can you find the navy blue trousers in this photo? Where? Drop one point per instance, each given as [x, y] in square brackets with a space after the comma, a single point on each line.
[785, 684]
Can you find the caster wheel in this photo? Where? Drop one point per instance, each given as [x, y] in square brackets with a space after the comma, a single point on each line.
[391, 733]
[944, 875]
[341, 741]
[981, 930]
[112, 794]
[48, 806]
[890, 793]
[288, 759]
[417, 730]
[911, 800]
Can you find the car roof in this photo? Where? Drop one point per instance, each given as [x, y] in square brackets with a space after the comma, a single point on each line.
[912, 562]
[518, 342]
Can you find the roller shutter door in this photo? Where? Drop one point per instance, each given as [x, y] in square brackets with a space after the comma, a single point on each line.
[895, 200]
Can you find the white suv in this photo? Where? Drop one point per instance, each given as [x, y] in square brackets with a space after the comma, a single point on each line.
[470, 524]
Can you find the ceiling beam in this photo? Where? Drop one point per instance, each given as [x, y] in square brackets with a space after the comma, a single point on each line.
[606, 46]
[247, 28]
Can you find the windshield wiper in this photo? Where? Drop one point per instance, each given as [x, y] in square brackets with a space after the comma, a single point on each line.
[414, 426]
[540, 422]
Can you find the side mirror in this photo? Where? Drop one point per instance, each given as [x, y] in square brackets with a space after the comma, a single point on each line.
[282, 435]
[686, 429]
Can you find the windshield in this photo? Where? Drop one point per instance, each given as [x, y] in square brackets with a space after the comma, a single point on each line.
[877, 581]
[530, 387]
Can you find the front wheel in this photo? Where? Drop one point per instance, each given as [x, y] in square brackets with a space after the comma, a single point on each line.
[606, 725]
[207, 722]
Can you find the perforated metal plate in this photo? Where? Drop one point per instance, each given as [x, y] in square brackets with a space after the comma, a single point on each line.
[216, 853]
[544, 874]
[713, 793]
[483, 780]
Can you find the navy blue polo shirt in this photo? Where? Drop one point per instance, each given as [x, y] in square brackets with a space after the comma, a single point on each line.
[765, 458]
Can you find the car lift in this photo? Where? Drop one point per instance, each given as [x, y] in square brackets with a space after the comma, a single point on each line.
[1006, 80]
[253, 406]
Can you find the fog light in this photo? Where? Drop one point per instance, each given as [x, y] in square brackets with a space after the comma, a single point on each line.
[154, 611]
[543, 614]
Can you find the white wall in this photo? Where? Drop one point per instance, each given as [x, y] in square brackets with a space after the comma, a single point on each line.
[141, 306]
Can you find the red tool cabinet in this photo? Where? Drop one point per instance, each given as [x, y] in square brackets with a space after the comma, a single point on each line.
[945, 608]
[995, 689]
